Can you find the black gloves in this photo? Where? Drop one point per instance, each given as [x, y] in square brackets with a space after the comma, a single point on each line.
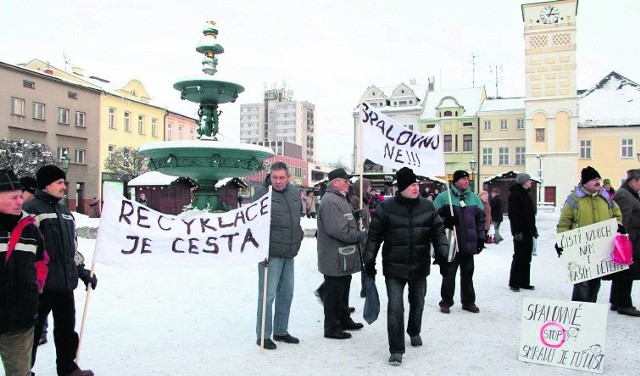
[442, 263]
[370, 269]
[480, 245]
[449, 220]
[518, 237]
[360, 213]
[362, 236]
[558, 250]
[83, 274]
[621, 229]
[535, 234]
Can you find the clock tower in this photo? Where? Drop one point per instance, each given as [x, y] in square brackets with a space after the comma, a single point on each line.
[551, 101]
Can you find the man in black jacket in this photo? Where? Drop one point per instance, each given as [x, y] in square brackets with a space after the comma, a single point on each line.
[406, 225]
[496, 214]
[522, 216]
[58, 228]
[23, 271]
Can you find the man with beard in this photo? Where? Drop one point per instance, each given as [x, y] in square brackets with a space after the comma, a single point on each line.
[522, 216]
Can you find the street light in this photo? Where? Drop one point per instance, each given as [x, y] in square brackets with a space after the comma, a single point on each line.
[638, 155]
[539, 156]
[65, 168]
[472, 165]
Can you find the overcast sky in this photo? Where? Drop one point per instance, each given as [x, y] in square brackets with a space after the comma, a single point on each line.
[327, 52]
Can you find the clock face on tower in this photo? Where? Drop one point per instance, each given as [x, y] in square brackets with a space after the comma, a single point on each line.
[549, 14]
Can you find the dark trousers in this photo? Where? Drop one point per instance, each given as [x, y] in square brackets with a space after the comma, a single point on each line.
[620, 296]
[586, 291]
[63, 306]
[336, 303]
[395, 310]
[467, 293]
[521, 264]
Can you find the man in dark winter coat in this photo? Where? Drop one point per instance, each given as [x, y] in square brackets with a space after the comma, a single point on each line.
[67, 265]
[23, 271]
[629, 202]
[339, 240]
[522, 216]
[284, 243]
[406, 225]
[469, 219]
[496, 214]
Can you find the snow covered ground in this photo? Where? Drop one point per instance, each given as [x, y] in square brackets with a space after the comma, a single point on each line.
[202, 322]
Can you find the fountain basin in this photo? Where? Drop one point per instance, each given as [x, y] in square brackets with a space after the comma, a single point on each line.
[204, 90]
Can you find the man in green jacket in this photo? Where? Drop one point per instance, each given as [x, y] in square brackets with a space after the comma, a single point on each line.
[589, 203]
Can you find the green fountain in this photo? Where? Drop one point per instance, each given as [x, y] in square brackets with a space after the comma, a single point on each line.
[207, 160]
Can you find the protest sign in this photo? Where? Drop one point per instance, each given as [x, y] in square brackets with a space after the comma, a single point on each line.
[389, 143]
[134, 236]
[563, 334]
[587, 251]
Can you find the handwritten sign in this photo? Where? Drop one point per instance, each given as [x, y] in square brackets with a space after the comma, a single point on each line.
[563, 334]
[587, 251]
[389, 143]
[134, 236]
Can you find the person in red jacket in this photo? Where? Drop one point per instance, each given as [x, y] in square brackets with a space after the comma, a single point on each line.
[23, 272]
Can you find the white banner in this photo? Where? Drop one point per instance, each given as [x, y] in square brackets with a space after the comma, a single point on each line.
[389, 143]
[588, 251]
[134, 236]
[563, 334]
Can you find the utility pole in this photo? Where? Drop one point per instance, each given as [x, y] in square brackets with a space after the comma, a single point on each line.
[497, 71]
[474, 56]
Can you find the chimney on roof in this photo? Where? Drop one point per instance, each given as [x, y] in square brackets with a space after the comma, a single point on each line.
[432, 84]
[78, 71]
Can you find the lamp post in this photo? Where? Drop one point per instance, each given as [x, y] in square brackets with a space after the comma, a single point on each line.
[472, 165]
[638, 155]
[65, 168]
[539, 157]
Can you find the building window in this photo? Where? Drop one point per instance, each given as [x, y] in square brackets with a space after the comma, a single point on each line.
[520, 150]
[626, 145]
[28, 84]
[140, 124]
[72, 95]
[17, 106]
[448, 114]
[487, 156]
[431, 126]
[169, 131]
[80, 119]
[448, 143]
[192, 134]
[63, 115]
[487, 125]
[127, 124]
[468, 124]
[179, 132]
[112, 118]
[467, 142]
[110, 154]
[540, 135]
[585, 149]
[503, 124]
[520, 123]
[154, 127]
[63, 153]
[80, 156]
[38, 111]
[503, 156]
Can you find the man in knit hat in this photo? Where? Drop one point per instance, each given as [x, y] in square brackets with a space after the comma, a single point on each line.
[587, 204]
[469, 219]
[522, 215]
[58, 228]
[29, 186]
[23, 271]
[407, 225]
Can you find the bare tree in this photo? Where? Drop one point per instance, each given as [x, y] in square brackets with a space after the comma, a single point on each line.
[25, 157]
[127, 163]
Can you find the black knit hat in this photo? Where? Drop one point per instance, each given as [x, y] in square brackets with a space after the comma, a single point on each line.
[48, 174]
[588, 173]
[459, 175]
[29, 184]
[9, 181]
[405, 178]
[338, 173]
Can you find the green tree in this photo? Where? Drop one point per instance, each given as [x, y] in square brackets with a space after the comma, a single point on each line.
[127, 163]
[25, 157]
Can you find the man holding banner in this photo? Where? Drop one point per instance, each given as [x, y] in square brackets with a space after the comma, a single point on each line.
[587, 204]
[469, 219]
[284, 243]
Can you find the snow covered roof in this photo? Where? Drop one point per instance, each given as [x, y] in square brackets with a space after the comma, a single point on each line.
[153, 178]
[419, 90]
[469, 98]
[614, 101]
[503, 104]
[506, 174]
